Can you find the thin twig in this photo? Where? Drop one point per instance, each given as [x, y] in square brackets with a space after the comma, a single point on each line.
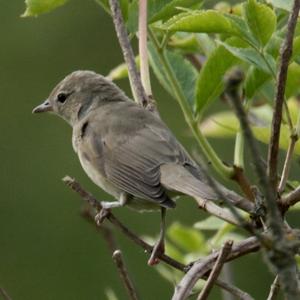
[215, 272]
[91, 200]
[274, 290]
[291, 198]
[138, 91]
[94, 203]
[119, 261]
[4, 294]
[287, 163]
[280, 253]
[285, 55]
[143, 49]
[201, 267]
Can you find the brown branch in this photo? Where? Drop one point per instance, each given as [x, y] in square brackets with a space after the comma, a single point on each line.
[274, 290]
[138, 91]
[94, 203]
[119, 261]
[279, 249]
[91, 200]
[4, 294]
[291, 198]
[201, 267]
[215, 272]
[285, 55]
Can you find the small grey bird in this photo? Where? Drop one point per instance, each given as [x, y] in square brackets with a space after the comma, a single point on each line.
[126, 150]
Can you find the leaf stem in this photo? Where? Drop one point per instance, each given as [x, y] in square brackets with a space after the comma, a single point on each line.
[209, 152]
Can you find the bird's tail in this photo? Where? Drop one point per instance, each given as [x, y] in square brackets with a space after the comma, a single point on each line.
[177, 178]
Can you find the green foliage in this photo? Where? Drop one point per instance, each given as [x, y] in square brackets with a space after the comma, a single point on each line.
[37, 7]
[261, 20]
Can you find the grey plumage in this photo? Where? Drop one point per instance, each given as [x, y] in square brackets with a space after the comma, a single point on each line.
[123, 148]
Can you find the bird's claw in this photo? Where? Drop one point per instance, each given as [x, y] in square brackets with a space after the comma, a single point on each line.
[157, 251]
[100, 217]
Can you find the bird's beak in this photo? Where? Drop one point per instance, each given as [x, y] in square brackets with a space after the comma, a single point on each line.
[44, 107]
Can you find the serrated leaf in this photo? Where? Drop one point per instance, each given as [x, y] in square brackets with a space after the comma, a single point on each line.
[255, 79]
[188, 239]
[208, 21]
[37, 7]
[183, 70]
[283, 4]
[210, 83]
[261, 20]
[251, 56]
[210, 223]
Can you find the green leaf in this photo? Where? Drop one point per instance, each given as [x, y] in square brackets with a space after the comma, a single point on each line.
[188, 239]
[283, 4]
[210, 223]
[37, 7]
[209, 21]
[220, 125]
[104, 4]
[164, 9]
[293, 80]
[267, 63]
[261, 20]
[110, 294]
[184, 72]
[263, 134]
[296, 50]
[121, 71]
[255, 79]
[210, 82]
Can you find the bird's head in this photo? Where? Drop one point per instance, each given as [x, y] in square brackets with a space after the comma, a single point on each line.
[78, 93]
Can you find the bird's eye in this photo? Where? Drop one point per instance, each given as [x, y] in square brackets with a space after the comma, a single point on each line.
[62, 97]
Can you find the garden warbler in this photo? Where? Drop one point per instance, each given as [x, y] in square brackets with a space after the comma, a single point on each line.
[125, 149]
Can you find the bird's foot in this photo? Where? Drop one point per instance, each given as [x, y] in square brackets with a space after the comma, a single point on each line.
[157, 251]
[101, 215]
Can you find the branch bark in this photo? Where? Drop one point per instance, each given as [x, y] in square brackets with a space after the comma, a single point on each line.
[119, 261]
[138, 91]
[285, 55]
[215, 272]
[275, 287]
[201, 267]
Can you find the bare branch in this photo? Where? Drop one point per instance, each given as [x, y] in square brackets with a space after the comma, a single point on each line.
[275, 287]
[287, 163]
[279, 250]
[119, 261]
[201, 267]
[291, 198]
[138, 91]
[215, 272]
[91, 200]
[4, 294]
[285, 55]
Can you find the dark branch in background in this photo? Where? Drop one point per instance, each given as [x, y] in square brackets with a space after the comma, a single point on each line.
[138, 91]
[216, 270]
[279, 251]
[95, 204]
[285, 55]
[4, 294]
[201, 267]
[274, 291]
[116, 253]
[119, 261]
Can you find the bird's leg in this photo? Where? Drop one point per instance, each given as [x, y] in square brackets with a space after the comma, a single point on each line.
[159, 247]
[106, 206]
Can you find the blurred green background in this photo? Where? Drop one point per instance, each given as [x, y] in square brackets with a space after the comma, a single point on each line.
[47, 250]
